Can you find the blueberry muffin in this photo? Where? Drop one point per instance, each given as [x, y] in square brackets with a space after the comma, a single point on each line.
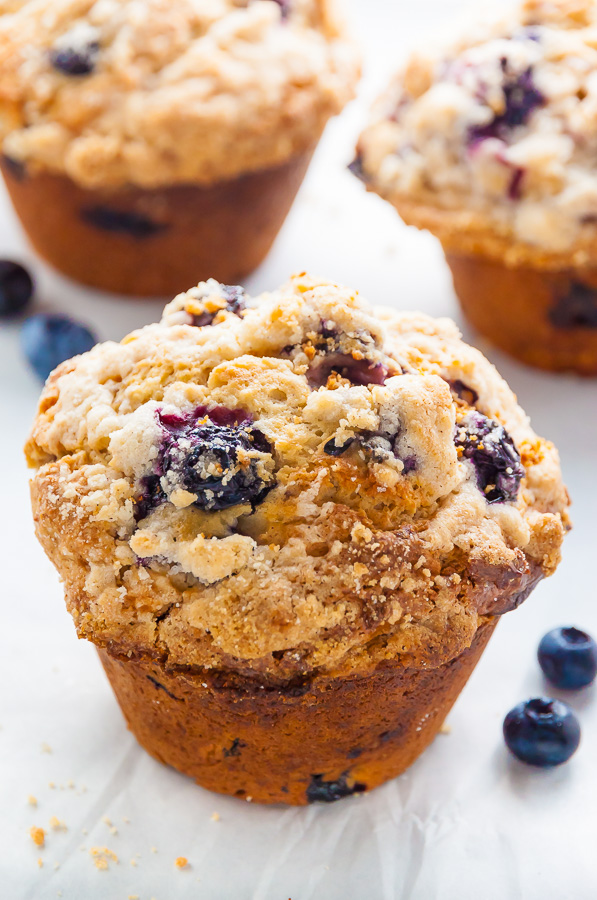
[147, 144]
[491, 144]
[290, 525]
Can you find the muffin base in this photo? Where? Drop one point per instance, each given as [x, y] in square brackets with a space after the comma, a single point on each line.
[155, 242]
[321, 740]
[545, 318]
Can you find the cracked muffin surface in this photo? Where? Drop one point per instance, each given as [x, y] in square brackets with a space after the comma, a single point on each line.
[150, 92]
[290, 484]
[490, 141]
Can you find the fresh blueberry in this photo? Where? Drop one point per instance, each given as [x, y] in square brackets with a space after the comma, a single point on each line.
[568, 658]
[542, 732]
[577, 308]
[521, 98]
[330, 791]
[75, 60]
[16, 288]
[47, 340]
[121, 221]
[235, 298]
[490, 448]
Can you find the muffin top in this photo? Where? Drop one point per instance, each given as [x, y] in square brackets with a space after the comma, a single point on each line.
[291, 484]
[153, 92]
[491, 142]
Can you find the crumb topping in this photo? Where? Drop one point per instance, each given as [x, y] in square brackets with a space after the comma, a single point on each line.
[153, 93]
[211, 499]
[490, 140]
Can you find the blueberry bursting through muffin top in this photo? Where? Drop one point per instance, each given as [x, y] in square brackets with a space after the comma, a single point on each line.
[291, 483]
[488, 139]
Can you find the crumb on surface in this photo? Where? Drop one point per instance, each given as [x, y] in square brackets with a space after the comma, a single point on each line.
[37, 835]
[445, 729]
[45, 748]
[215, 817]
[51, 784]
[154, 849]
[102, 857]
[31, 800]
[57, 825]
[40, 862]
[181, 862]
[133, 862]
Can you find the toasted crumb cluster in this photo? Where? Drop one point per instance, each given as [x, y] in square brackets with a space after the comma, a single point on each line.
[491, 141]
[302, 484]
[152, 92]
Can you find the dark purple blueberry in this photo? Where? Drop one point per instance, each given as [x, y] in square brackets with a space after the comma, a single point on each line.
[521, 98]
[410, 464]
[74, 61]
[236, 302]
[568, 658]
[16, 288]
[47, 340]
[463, 391]
[357, 371]
[332, 449]
[491, 450]
[208, 458]
[575, 309]
[542, 732]
[320, 791]
[152, 495]
[356, 167]
[121, 222]
[15, 168]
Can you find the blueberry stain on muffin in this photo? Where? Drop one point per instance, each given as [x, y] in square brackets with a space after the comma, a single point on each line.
[491, 450]
[232, 298]
[216, 457]
[320, 791]
[575, 309]
[521, 99]
[120, 221]
[465, 393]
[234, 748]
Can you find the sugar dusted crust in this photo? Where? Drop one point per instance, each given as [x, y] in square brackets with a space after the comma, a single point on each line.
[372, 538]
[193, 91]
[490, 141]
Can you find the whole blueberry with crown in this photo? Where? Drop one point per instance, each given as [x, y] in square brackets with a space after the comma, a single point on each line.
[542, 732]
[568, 658]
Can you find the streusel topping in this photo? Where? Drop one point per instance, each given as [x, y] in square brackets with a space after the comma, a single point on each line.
[291, 482]
[153, 92]
[491, 141]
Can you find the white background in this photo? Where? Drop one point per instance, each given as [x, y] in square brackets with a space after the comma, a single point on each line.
[466, 821]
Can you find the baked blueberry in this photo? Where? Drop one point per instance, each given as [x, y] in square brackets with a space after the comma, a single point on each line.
[330, 791]
[234, 298]
[221, 463]
[575, 309]
[47, 340]
[75, 61]
[521, 98]
[357, 371]
[542, 732]
[491, 450]
[16, 288]
[568, 658]
[121, 222]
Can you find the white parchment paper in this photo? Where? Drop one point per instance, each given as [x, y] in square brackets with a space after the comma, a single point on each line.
[466, 822]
